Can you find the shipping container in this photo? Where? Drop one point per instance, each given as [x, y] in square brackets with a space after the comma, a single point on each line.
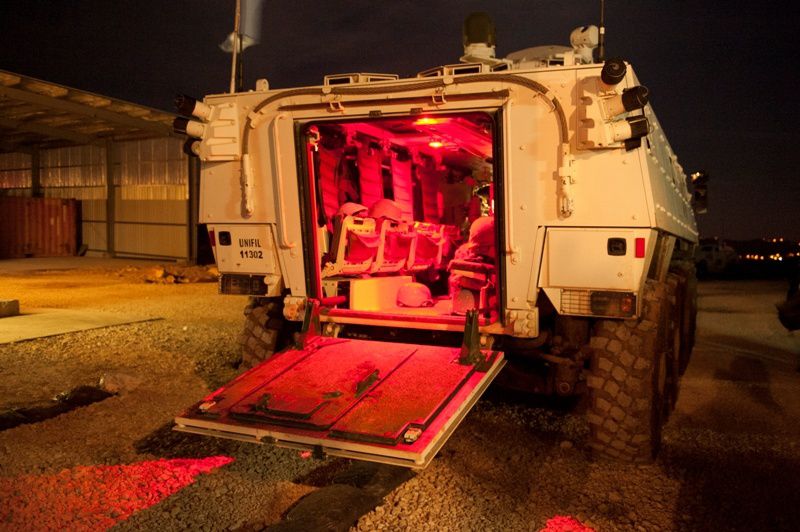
[38, 227]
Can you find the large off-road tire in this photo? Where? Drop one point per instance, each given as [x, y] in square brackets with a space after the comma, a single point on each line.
[263, 326]
[628, 379]
[687, 305]
[676, 286]
[689, 323]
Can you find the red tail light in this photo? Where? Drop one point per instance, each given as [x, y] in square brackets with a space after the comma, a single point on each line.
[639, 248]
[212, 239]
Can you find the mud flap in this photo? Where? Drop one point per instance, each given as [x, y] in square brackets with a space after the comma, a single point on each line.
[384, 402]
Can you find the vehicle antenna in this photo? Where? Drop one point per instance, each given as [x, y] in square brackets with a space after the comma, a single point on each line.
[236, 40]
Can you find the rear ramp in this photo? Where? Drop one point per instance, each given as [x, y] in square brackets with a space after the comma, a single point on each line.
[385, 402]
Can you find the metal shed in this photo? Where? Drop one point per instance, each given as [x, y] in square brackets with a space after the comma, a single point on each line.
[135, 187]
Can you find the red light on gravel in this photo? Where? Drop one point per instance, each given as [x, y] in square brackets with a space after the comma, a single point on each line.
[96, 497]
[639, 248]
[565, 523]
[305, 455]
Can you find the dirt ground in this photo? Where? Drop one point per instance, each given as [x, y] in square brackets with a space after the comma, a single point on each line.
[730, 461]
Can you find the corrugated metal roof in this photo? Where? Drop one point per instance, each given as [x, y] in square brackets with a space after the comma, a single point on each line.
[47, 115]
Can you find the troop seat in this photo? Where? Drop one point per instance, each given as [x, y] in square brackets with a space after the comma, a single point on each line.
[366, 245]
[427, 247]
[354, 247]
[394, 246]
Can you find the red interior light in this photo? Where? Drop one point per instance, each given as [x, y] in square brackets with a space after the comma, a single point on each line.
[639, 248]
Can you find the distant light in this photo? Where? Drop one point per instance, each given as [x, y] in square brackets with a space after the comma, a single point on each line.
[426, 121]
[436, 144]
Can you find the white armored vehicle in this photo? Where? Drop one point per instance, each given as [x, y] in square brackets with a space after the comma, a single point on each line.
[405, 239]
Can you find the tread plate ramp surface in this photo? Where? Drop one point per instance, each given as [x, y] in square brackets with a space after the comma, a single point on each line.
[366, 399]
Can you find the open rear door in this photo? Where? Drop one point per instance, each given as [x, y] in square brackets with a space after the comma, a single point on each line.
[384, 402]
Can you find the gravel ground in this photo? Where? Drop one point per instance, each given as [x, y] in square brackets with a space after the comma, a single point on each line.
[731, 458]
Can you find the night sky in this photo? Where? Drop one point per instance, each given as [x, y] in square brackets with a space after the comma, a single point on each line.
[721, 75]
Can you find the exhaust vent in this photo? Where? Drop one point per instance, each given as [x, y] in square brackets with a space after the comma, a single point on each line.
[460, 69]
[358, 77]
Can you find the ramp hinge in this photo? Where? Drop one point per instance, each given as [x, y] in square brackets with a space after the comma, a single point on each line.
[318, 453]
[311, 325]
[471, 354]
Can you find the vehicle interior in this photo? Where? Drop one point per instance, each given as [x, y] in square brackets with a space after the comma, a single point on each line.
[404, 211]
